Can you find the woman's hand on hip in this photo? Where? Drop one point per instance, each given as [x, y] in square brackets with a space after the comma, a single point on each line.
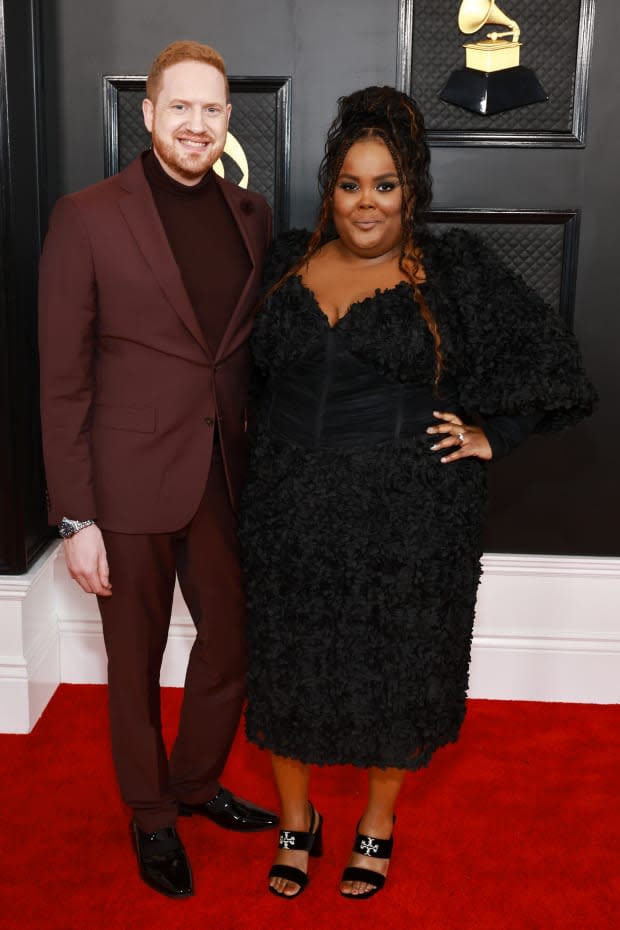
[469, 440]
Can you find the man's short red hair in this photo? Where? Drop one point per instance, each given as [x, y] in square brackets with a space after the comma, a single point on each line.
[184, 50]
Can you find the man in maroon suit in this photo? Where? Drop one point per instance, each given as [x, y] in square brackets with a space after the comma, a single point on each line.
[147, 287]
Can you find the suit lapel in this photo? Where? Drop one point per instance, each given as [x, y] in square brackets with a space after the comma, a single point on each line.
[143, 219]
[233, 197]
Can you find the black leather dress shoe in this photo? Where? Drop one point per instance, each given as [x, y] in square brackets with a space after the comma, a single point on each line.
[232, 813]
[163, 863]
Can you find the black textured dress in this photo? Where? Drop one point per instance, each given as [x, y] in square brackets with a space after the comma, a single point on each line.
[362, 551]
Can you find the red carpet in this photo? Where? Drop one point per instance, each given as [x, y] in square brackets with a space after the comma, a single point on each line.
[515, 827]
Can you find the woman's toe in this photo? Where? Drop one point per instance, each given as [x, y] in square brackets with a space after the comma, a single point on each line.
[283, 886]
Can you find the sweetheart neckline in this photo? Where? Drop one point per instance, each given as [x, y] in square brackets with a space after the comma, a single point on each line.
[379, 292]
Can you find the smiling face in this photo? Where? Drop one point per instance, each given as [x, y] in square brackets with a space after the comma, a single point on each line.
[188, 120]
[367, 198]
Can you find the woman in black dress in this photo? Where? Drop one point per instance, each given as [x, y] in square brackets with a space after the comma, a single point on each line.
[395, 364]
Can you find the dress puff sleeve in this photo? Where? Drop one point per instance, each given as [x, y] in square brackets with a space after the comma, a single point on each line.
[515, 356]
[283, 253]
[266, 342]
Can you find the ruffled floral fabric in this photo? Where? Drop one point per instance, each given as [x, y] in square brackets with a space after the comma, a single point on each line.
[362, 564]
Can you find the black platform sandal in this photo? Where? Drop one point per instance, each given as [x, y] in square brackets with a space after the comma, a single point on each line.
[375, 849]
[310, 842]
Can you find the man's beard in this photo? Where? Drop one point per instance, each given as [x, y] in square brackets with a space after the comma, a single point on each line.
[188, 165]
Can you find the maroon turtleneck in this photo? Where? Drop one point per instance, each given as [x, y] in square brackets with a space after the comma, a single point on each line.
[206, 243]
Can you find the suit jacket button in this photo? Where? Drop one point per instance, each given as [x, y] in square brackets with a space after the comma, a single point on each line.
[209, 421]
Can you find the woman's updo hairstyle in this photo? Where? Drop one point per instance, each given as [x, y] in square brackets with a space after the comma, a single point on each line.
[388, 114]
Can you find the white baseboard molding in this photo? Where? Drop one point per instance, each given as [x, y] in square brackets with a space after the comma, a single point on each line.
[547, 629]
[29, 656]
[584, 669]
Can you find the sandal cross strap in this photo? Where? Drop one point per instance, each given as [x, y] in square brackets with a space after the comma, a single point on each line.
[372, 847]
[299, 840]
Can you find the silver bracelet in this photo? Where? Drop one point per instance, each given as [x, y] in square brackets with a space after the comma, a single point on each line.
[68, 528]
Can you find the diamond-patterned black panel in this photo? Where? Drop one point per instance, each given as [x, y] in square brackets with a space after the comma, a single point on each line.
[534, 251]
[132, 135]
[549, 32]
[253, 123]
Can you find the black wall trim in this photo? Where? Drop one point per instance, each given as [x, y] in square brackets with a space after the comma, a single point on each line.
[24, 532]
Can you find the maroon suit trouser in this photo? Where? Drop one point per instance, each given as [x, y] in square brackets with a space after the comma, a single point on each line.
[204, 555]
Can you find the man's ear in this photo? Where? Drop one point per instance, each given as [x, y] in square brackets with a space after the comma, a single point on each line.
[147, 113]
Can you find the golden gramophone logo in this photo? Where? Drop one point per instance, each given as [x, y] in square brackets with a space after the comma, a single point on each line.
[493, 79]
[234, 150]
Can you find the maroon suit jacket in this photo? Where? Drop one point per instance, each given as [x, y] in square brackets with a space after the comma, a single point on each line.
[130, 392]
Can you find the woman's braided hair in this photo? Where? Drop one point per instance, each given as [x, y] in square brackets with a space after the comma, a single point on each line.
[387, 114]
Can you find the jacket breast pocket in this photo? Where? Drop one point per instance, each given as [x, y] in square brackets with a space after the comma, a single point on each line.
[133, 419]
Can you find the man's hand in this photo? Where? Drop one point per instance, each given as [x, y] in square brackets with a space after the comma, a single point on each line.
[87, 562]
